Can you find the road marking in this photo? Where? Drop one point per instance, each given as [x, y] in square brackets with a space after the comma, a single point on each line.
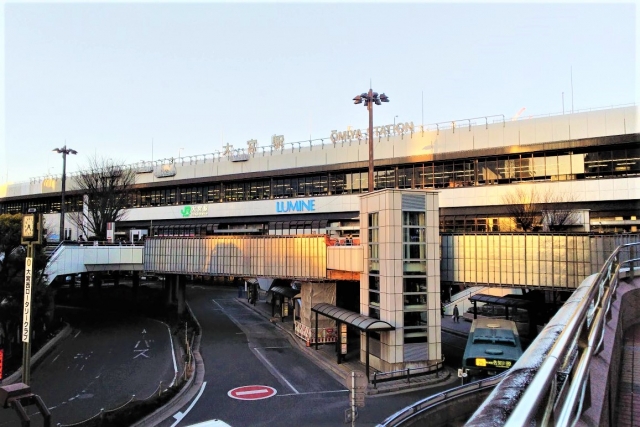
[216, 303]
[137, 344]
[252, 392]
[276, 371]
[144, 331]
[316, 392]
[55, 358]
[267, 348]
[180, 415]
[173, 354]
[141, 353]
[76, 335]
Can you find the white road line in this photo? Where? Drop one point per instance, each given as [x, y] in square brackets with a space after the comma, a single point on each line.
[137, 344]
[55, 358]
[216, 303]
[76, 335]
[316, 392]
[266, 348]
[276, 371]
[173, 353]
[180, 415]
[242, 393]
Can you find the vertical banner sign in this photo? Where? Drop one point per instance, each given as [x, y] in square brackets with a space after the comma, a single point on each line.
[26, 320]
[110, 231]
[1, 362]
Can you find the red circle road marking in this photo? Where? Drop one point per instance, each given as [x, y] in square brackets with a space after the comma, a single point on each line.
[252, 392]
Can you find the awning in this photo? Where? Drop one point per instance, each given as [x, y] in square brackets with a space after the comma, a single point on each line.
[504, 301]
[288, 292]
[360, 321]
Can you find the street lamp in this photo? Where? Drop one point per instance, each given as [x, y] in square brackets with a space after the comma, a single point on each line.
[370, 99]
[64, 150]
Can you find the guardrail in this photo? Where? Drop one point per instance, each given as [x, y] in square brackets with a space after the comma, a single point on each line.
[406, 414]
[580, 340]
[548, 385]
[379, 377]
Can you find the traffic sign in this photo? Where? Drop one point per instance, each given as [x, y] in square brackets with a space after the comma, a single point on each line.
[252, 392]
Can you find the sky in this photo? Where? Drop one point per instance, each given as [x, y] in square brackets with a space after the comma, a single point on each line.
[149, 80]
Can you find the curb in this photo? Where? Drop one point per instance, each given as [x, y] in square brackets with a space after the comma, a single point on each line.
[37, 358]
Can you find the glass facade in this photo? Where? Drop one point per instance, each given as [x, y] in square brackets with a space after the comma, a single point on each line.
[589, 163]
[373, 245]
[414, 276]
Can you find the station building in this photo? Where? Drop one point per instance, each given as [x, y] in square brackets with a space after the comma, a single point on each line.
[452, 177]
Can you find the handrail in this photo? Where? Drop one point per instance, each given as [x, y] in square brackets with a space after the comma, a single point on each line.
[565, 348]
[407, 373]
[414, 410]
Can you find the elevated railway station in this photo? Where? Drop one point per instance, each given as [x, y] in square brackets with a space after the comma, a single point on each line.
[438, 219]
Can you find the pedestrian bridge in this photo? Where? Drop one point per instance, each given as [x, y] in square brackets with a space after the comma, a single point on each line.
[309, 258]
[549, 261]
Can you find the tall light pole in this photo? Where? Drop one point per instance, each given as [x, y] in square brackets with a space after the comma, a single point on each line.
[369, 99]
[64, 150]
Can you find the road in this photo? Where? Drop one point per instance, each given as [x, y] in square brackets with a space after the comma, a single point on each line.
[107, 359]
[241, 348]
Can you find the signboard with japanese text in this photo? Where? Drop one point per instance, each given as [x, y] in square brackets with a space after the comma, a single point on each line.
[26, 319]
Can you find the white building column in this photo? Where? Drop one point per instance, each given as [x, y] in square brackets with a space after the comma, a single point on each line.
[401, 281]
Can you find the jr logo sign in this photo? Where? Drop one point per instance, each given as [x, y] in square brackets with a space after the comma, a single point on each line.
[193, 211]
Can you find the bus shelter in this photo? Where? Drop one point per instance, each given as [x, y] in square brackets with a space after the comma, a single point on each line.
[359, 321]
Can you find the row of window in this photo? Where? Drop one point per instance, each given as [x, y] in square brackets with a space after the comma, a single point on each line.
[456, 173]
[414, 273]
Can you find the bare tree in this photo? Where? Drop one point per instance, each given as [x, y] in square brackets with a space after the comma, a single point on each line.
[557, 212]
[107, 185]
[524, 207]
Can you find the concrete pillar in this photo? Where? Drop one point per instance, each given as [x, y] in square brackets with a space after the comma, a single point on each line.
[84, 284]
[169, 284]
[135, 283]
[181, 290]
[312, 294]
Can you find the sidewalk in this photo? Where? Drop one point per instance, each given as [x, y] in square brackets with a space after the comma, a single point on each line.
[325, 357]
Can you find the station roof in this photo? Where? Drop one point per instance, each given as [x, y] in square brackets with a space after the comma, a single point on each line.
[360, 321]
[504, 301]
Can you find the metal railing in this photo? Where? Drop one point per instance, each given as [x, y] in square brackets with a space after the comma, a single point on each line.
[580, 340]
[548, 385]
[412, 411]
[407, 374]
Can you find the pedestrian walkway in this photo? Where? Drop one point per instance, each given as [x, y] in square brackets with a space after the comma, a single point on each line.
[629, 389]
[326, 358]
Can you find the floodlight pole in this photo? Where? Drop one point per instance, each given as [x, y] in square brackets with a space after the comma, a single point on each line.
[370, 108]
[64, 151]
[369, 99]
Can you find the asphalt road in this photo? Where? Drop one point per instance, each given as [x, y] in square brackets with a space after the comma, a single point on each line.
[241, 348]
[107, 359]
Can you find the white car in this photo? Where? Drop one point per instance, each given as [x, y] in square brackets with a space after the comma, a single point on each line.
[211, 423]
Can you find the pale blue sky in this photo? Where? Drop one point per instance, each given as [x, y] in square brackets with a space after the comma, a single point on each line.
[109, 78]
